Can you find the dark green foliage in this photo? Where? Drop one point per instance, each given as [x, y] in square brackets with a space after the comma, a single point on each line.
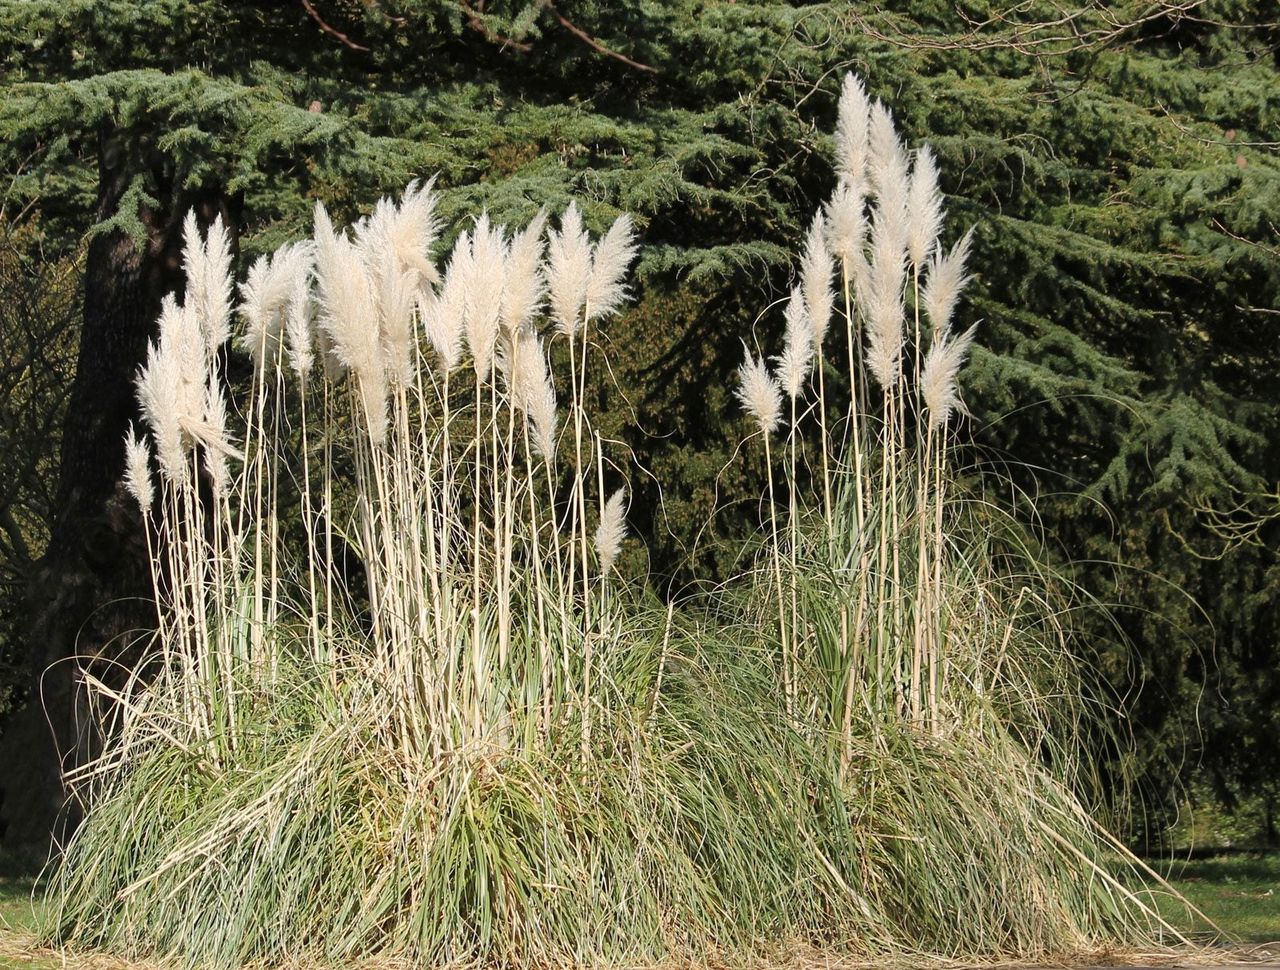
[1121, 170]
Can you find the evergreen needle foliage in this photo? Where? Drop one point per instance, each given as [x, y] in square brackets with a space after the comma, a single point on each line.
[437, 722]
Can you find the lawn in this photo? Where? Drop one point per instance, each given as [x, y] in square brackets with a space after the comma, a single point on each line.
[1239, 893]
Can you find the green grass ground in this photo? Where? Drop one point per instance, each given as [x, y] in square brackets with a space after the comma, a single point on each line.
[1241, 894]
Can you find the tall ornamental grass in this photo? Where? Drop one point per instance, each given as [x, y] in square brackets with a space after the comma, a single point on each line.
[402, 703]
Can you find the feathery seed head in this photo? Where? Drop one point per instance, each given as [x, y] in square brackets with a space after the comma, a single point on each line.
[796, 359]
[413, 230]
[924, 207]
[887, 161]
[349, 317]
[299, 324]
[759, 393]
[611, 530]
[525, 283]
[882, 302]
[853, 130]
[944, 283]
[939, 386]
[444, 313]
[483, 297]
[568, 270]
[543, 418]
[214, 438]
[137, 469]
[214, 309]
[160, 398]
[529, 384]
[610, 259]
[846, 222]
[815, 275]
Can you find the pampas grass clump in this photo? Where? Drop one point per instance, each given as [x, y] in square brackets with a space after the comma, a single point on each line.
[403, 703]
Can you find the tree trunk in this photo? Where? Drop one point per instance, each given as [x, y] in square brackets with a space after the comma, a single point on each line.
[90, 596]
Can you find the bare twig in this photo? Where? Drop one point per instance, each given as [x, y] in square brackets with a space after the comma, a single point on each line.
[331, 31]
[595, 45]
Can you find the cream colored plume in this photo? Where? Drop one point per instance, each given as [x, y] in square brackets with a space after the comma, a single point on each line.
[532, 392]
[444, 313]
[759, 393]
[299, 325]
[609, 261]
[882, 303]
[846, 221]
[568, 270]
[484, 294]
[924, 208]
[213, 436]
[170, 386]
[886, 158]
[853, 130]
[272, 283]
[816, 268]
[944, 283]
[207, 265]
[137, 469]
[796, 359]
[348, 315]
[525, 283]
[939, 387]
[611, 530]
[412, 231]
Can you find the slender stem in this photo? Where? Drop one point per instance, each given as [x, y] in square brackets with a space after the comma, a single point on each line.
[787, 686]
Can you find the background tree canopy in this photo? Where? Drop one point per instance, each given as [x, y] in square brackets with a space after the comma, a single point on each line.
[1118, 161]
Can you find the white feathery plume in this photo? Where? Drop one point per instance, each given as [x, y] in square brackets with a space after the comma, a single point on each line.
[796, 359]
[214, 310]
[759, 393]
[885, 152]
[265, 296]
[846, 222]
[609, 261]
[160, 398]
[334, 369]
[882, 303]
[214, 438]
[349, 317]
[398, 295]
[194, 259]
[413, 230]
[444, 313]
[299, 325]
[611, 530]
[815, 277]
[543, 417]
[853, 130]
[525, 283]
[137, 469]
[938, 377]
[524, 364]
[944, 283]
[568, 270]
[253, 309]
[484, 294]
[924, 207]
